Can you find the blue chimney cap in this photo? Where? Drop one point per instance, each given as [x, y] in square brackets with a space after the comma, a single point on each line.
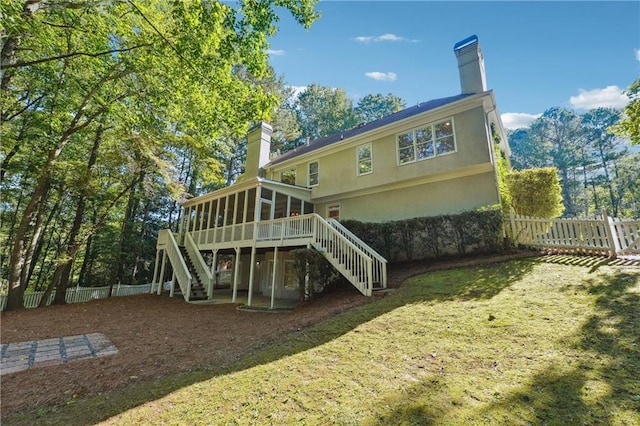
[467, 41]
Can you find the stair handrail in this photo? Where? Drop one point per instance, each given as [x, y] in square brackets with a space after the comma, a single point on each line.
[355, 239]
[322, 225]
[380, 267]
[198, 262]
[179, 266]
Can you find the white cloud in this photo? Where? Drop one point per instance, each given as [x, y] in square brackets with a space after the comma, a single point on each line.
[382, 76]
[637, 54]
[274, 52]
[517, 120]
[383, 37]
[609, 97]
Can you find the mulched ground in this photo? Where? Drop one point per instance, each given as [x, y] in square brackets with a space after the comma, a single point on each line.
[158, 335]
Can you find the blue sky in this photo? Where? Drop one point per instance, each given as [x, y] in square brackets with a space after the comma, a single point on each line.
[537, 55]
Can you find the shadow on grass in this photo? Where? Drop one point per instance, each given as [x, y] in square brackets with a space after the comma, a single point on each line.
[480, 282]
[601, 387]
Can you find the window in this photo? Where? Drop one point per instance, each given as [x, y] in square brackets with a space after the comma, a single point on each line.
[365, 163]
[288, 176]
[290, 276]
[426, 142]
[314, 178]
[333, 211]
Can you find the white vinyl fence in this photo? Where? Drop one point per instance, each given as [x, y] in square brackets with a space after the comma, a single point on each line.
[81, 294]
[603, 234]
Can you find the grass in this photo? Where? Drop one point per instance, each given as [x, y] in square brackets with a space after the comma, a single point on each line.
[525, 342]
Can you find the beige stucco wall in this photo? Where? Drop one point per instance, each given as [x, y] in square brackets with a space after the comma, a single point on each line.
[338, 169]
[457, 181]
[338, 164]
[430, 199]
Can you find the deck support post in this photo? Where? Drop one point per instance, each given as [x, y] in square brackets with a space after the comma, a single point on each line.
[173, 284]
[214, 262]
[273, 279]
[162, 269]
[306, 277]
[236, 273]
[251, 274]
[155, 271]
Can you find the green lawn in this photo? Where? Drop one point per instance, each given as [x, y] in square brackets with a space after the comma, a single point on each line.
[552, 341]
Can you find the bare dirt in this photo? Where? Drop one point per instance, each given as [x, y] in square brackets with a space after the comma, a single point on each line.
[158, 336]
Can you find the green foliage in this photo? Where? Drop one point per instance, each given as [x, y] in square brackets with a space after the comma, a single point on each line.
[323, 111]
[477, 231]
[589, 152]
[375, 106]
[629, 126]
[502, 169]
[536, 192]
[309, 263]
[170, 82]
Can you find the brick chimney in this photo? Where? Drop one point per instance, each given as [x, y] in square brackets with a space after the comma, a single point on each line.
[470, 65]
[258, 149]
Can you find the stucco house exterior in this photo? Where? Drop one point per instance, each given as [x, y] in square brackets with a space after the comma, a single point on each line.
[433, 158]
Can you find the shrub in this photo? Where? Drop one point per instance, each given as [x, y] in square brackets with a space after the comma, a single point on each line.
[536, 192]
[433, 236]
[309, 262]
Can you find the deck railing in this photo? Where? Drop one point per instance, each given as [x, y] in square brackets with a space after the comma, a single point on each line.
[349, 259]
[179, 266]
[353, 263]
[286, 228]
[379, 262]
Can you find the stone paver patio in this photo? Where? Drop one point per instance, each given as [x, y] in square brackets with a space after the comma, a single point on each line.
[39, 353]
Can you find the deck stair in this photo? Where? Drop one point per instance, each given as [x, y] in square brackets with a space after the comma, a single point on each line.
[198, 289]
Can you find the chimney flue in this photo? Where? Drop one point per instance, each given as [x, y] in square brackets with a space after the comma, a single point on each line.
[470, 65]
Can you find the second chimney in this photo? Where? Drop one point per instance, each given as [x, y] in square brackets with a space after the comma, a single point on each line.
[470, 65]
[258, 149]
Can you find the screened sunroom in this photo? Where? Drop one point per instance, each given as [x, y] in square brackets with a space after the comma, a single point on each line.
[229, 217]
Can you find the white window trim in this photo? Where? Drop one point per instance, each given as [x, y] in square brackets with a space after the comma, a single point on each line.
[309, 173]
[358, 159]
[436, 155]
[333, 207]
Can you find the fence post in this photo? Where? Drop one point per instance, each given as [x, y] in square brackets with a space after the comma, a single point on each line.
[512, 223]
[611, 234]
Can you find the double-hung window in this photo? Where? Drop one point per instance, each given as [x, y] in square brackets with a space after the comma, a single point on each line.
[365, 160]
[314, 173]
[427, 141]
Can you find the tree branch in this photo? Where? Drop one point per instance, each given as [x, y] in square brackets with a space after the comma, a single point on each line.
[71, 55]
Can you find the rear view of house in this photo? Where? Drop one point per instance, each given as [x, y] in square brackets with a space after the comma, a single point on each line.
[433, 158]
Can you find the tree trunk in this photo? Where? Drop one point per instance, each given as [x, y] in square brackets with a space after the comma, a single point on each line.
[87, 261]
[63, 271]
[20, 256]
[126, 233]
[19, 260]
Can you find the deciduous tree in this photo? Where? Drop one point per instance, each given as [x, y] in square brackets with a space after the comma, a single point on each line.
[151, 68]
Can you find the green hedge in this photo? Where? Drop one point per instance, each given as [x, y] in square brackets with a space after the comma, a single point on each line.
[476, 231]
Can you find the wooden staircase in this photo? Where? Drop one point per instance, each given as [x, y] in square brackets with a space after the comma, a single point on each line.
[198, 290]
